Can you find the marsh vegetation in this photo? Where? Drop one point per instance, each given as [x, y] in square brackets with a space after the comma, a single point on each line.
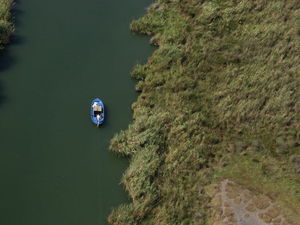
[6, 26]
[219, 98]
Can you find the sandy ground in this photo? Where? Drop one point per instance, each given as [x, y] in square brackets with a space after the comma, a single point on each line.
[234, 205]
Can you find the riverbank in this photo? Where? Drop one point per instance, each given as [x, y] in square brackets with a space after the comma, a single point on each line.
[219, 99]
[6, 25]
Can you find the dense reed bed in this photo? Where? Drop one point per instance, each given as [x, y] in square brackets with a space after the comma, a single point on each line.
[219, 98]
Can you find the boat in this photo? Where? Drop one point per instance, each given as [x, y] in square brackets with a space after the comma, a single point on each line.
[97, 111]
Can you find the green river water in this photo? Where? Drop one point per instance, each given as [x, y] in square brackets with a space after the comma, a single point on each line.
[55, 165]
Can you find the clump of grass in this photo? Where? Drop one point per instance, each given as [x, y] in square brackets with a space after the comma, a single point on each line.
[6, 26]
[223, 80]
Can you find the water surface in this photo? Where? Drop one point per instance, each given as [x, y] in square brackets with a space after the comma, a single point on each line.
[55, 165]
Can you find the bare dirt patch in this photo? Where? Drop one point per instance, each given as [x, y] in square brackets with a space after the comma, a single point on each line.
[232, 204]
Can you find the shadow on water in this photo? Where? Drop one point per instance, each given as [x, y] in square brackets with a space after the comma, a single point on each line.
[6, 58]
[2, 96]
[6, 61]
[16, 13]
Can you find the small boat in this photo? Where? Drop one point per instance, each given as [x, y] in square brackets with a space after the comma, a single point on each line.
[97, 111]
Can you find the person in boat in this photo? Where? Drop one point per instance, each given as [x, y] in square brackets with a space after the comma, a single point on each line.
[98, 117]
[97, 110]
